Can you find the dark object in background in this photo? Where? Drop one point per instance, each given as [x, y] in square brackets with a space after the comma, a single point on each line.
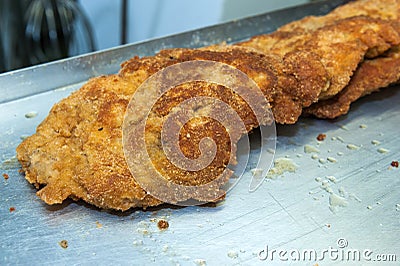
[56, 29]
[38, 31]
[124, 21]
[2, 65]
[13, 50]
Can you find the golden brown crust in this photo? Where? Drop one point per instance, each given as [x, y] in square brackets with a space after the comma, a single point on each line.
[369, 77]
[294, 81]
[77, 150]
[379, 9]
[340, 46]
[340, 56]
[80, 141]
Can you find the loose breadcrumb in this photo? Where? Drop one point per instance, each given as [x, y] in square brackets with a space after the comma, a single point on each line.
[332, 179]
[375, 142]
[233, 254]
[310, 149]
[6, 176]
[63, 243]
[162, 224]
[331, 159]
[200, 262]
[314, 157]
[321, 137]
[98, 225]
[31, 114]
[352, 147]
[383, 150]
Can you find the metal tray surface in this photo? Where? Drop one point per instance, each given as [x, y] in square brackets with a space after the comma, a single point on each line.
[293, 212]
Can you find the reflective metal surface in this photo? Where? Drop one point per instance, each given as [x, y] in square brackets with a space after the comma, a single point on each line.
[345, 193]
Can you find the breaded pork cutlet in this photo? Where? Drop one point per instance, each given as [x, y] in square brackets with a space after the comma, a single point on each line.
[340, 46]
[77, 151]
[379, 9]
[289, 83]
[371, 76]
[367, 78]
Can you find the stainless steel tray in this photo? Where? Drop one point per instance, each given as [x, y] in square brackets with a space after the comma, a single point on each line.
[289, 212]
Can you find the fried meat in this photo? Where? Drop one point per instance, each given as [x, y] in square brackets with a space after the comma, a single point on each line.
[77, 150]
[318, 64]
[340, 46]
[371, 76]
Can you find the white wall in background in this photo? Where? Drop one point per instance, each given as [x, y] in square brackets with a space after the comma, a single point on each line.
[155, 18]
[104, 16]
[233, 9]
[149, 18]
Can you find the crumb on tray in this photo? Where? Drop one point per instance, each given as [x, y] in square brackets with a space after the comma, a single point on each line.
[162, 224]
[31, 114]
[331, 159]
[282, 165]
[310, 149]
[63, 243]
[321, 137]
[383, 150]
[233, 254]
[375, 142]
[200, 262]
[352, 147]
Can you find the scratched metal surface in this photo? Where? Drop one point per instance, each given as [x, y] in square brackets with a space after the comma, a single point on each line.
[288, 212]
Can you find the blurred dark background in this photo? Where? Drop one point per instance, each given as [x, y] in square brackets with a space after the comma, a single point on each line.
[37, 31]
